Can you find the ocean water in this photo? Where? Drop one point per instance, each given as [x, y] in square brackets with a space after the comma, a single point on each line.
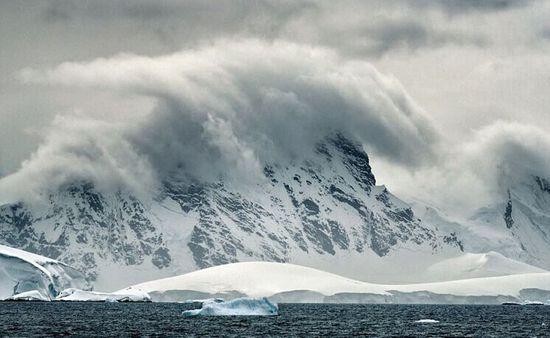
[163, 319]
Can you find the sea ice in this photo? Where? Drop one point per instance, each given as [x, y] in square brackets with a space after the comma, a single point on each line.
[236, 307]
[427, 321]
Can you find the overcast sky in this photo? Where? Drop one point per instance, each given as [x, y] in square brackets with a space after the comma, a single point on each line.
[475, 75]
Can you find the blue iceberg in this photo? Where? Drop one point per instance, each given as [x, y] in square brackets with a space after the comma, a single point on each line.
[236, 307]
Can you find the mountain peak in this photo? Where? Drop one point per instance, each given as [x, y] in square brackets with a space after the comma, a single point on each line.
[326, 204]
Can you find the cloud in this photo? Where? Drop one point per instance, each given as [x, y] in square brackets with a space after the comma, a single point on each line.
[371, 27]
[80, 149]
[478, 172]
[224, 110]
[178, 23]
[465, 6]
[505, 154]
[468, 63]
[434, 43]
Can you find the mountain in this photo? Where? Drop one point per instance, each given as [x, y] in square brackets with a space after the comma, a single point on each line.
[322, 210]
[319, 210]
[284, 282]
[516, 224]
[43, 278]
[524, 218]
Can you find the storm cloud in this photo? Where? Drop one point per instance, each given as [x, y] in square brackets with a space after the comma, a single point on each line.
[443, 94]
[224, 110]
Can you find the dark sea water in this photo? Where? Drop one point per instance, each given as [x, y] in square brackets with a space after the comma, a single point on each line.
[158, 319]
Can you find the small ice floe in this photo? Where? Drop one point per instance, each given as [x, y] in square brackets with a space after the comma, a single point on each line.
[235, 307]
[33, 295]
[202, 301]
[76, 295]
[534, 303]
[427, 321]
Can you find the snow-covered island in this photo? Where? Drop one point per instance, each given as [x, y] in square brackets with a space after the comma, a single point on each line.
[28, 277]
[282, 282]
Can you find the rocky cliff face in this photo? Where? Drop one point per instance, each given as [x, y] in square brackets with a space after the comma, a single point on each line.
[325, 204]
[83, 227]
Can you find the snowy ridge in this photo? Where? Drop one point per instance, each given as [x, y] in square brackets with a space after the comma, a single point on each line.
[275, 280]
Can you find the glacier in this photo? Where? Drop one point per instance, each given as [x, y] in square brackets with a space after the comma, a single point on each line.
[29, 277]
[283, 282]
[24, 275]
[235, 307]
[33, 295]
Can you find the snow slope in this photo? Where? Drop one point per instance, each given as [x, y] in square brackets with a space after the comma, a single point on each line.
[258, 279]
[470, 265]
[22, 272]
[488, 286]
[263, 279]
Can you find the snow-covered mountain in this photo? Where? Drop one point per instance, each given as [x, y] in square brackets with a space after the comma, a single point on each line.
[322, 210]
[516, 225]
[317, 210]
[23, 272]
[524, 217]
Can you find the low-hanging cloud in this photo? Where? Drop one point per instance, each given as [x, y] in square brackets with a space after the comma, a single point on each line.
[77, 150]
[223, 110]
[479, 172]
[505, 154]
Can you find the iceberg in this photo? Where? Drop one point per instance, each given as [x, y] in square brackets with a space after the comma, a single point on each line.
[235, 307]
[22, 272]
[76, 295]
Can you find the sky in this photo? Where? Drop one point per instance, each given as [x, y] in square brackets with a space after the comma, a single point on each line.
[449, 98]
